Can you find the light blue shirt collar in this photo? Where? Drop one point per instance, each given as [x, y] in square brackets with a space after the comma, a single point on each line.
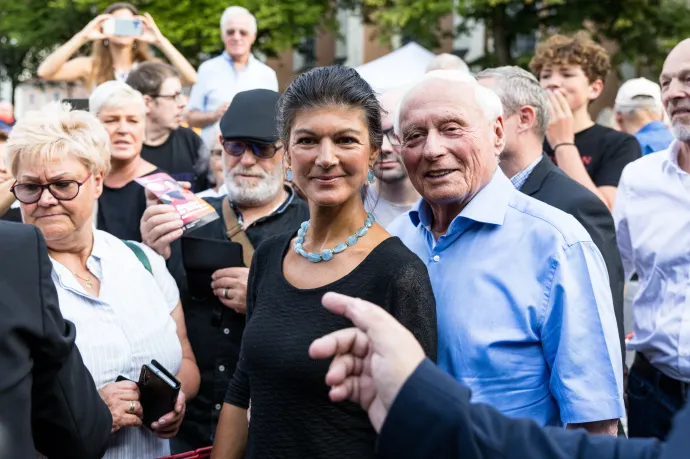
[489, 205]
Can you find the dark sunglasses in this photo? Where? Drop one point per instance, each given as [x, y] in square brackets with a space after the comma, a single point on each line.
[62, 190]
[261, 151]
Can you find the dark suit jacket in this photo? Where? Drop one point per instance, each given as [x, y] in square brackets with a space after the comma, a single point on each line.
[432, 417]
[549, 184]
[48, 400]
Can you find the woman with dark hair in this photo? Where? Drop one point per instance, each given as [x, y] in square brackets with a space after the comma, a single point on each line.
[112, 57]
[329, 122]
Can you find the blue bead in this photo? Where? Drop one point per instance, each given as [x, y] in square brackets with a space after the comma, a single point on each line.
[340, 248]
[370, 176]
[304, 225]
[288, 175]
[313, 257]
[302, 252]
[368, 223]
[371, 217]
[327, 254]
[298, 247]
[352, 240]
[301, 232]
[299, 240]
[362, 231]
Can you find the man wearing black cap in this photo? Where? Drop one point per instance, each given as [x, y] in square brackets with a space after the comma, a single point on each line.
[217, 256]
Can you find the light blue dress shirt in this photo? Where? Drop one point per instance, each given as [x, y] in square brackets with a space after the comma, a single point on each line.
[654, 136]
[218, 81]
[525, 315]
[652, 215]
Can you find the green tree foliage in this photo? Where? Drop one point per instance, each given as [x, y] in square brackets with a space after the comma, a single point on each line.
[644, 31]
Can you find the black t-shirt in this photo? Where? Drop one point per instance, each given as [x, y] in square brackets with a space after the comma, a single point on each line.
[120, 210]
[291, 413]
[605, 152]
[214, 331]
[180, 157]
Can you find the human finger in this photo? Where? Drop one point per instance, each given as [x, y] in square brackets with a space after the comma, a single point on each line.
[129, 420]
[554, 109]
[348, 340]
[128, 395]
[562, 102]
[347, 390]
[227, 282]
[236, 273]
[126, 385]
[342, 367]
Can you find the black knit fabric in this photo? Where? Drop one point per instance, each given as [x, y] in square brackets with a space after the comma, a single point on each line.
[291, 414]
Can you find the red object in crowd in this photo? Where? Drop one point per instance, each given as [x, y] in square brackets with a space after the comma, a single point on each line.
[201, 453]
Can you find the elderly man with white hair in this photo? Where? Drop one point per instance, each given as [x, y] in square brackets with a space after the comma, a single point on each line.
[235, 70]
[640, 112]
[523, 300]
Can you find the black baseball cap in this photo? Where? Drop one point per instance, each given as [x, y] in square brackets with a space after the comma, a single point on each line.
[252, 116]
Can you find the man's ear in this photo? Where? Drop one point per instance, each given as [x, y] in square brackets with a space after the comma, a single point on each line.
[148, 101]
[528, 117]
[499, 138]
[595, 89]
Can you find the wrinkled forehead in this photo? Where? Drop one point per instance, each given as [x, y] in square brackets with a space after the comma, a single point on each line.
[436, 100]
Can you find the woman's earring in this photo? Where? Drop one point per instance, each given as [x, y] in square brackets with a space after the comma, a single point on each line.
[288, 175]
[370, 176]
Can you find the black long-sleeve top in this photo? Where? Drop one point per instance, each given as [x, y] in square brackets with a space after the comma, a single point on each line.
[291, 413]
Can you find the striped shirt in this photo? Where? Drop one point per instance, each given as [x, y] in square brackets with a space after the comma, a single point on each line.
[125, 327]
[519, 179]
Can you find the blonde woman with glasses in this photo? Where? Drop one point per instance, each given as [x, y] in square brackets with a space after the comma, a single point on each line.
[124, 303]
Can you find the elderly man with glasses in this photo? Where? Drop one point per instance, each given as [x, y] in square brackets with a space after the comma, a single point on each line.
[217, 256]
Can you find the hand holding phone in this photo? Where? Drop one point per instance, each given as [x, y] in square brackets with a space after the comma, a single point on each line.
[159, 392]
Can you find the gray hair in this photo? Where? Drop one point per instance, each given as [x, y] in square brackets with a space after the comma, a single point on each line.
[115, 94]
[236, 11]
[516, 88]
[446, 61]
[641, 102]
[486, 99]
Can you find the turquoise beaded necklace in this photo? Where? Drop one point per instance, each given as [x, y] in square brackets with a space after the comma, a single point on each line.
[327, 254]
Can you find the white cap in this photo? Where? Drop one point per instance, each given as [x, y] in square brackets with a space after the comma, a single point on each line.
[638, 87]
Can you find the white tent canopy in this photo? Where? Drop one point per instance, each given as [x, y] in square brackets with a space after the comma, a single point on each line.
[401, 67]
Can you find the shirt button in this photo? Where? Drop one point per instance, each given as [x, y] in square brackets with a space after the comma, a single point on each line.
[437, 258]
[218, 407]
[221, 368]
[226, 331]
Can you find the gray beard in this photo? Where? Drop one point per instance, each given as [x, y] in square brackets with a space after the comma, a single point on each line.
[263, 193]
[681, 132]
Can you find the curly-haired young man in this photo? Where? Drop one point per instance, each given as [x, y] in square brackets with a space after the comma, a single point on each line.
[572, 69]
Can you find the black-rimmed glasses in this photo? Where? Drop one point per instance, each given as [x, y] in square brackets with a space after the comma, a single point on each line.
[62, 190]
[392, 138]
[174, 97]
[261, 151]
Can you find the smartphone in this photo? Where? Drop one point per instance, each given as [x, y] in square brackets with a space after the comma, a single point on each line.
[159, 390]
[77, 104]
[123, 27]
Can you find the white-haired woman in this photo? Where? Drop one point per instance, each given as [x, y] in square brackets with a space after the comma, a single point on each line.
[123, 301]
[122, 111]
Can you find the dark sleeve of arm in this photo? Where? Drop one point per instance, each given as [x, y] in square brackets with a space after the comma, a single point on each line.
[432, 417]
[69, 418]
[410, 300]
[618, 155]
[238, 389]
